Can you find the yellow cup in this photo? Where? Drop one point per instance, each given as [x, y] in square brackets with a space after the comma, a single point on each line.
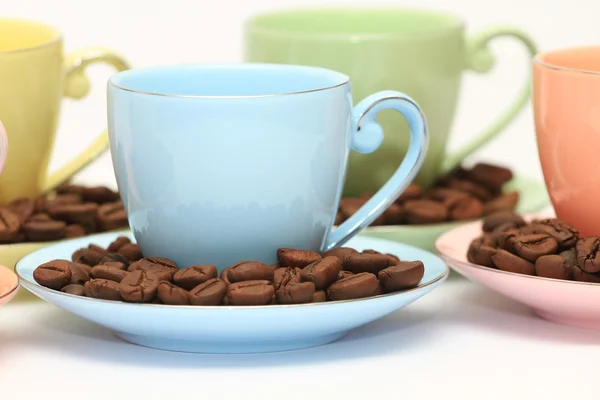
[34, 76]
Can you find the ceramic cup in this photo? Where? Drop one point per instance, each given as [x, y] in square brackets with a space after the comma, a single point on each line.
[223, 163]
[3, 146]
[423, 53]
[34, 76]
[566, 104]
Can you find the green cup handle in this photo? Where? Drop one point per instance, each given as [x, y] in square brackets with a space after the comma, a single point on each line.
[480, 59]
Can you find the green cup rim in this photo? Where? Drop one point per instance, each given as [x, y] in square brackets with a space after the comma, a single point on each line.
[255, 24]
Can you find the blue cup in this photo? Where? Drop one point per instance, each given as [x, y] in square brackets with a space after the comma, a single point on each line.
[222, 163]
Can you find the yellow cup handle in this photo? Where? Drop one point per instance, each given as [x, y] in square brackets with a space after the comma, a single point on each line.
[77, 86]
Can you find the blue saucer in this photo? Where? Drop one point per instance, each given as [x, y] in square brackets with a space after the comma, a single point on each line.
[227, 329]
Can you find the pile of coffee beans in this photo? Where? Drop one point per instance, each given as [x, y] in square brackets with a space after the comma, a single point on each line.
[71, 211]
[463, 194]
[550, 248]
[120, 273]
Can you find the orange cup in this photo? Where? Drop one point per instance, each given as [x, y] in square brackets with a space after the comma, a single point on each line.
[566, 100]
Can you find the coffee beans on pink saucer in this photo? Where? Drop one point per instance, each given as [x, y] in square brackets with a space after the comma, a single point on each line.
[120, 272]
[463, 194]
[550, 248]
[71, 211]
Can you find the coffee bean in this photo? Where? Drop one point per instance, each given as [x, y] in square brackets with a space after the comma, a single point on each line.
[507, 202]
[39, 205]
[565, 235]
[250, 271]
[465, 208]
[319, 297]
[114, 257]
[553, 266]
[296, 258]
[283, 275]
[532, 247]
[190, 277]
[412, 191]
[292, 291]
[491, 176]
[10, 224]
[496, 219]
[405, 275]
[162, 273]
[77, 290]
[394, 215]
[70, 198]
[339, 252]
[163, 268]
[99, 194]
[171, 294]
[393, 259]
[79, 273]
[339, 218]
[223, 276]
[111, 216]
[362, 262]
[356, 286]
[425, 211]
[68, 188]
[90, 256]
[511, 263]
[250, 293]
[344, 274]
[582, 276]
[480, 252]
[139, 286]
[210, 293]
[108, 272]
[74, 230]
[102, 289]
[470, 187]
[117, 244]
[54, 274]
[131, 252]
[23, 207]
[447, 196]
[44, 230]
[115, 264]
[570, 256]
[322, 272]
[39, 217]
[588, 256]
[83, 213]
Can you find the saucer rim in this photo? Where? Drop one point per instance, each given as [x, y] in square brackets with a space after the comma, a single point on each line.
[443, 275]
[14, 288]
[450, 261]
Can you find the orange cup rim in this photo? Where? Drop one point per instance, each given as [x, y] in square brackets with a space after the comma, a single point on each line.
[539, 60]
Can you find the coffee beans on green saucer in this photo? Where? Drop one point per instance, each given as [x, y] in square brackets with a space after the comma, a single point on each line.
[121, 273]
[71, 211]
[461, 195]
[549, 248]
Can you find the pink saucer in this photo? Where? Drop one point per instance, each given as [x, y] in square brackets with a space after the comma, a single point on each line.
[9, 285]
[565, 302]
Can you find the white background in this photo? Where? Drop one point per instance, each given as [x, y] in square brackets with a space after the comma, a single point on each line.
[461, 342]
[150, 32]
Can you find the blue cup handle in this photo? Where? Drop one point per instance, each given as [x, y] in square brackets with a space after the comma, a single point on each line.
[366, 137]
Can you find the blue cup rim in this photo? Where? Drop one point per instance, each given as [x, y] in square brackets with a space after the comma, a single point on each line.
[339, 78]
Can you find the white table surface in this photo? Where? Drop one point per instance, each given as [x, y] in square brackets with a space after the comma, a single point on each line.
[462, 341]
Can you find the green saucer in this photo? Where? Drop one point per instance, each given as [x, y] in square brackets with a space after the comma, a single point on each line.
[534, 198]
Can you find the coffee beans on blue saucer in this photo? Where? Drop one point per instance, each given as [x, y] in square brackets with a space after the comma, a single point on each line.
[549, 248]
[461, 195]
[121, 273]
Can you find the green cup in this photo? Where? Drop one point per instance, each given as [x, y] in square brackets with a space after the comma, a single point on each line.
[420, 53]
